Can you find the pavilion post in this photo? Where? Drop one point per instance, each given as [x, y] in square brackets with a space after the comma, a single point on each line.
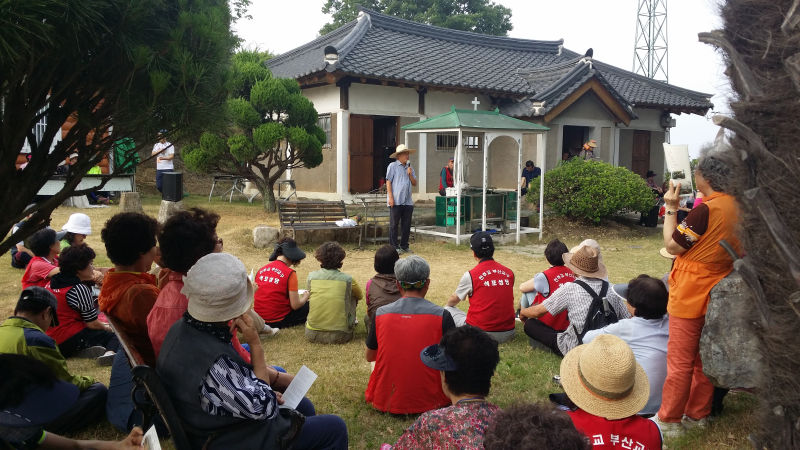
[485, 178]
[459, 181]
[519, 187]
[541, 151]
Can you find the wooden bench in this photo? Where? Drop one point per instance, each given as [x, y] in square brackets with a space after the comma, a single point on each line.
[149, 395]
[310, 214]
[375, 213]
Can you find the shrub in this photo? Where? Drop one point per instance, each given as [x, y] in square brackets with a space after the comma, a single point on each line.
[592, 190]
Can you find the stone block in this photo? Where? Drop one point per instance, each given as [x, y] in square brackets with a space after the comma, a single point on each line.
[167, 209]
[728, 344]
[264, 236]
[131, 202]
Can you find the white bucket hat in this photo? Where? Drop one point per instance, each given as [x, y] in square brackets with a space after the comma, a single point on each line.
[217, 288]
[78, 223]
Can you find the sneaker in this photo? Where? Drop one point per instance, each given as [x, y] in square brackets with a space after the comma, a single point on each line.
[669, 430]
[91, 352]
[269, 331]
[106, 359]
[690, 423]
[406, 250]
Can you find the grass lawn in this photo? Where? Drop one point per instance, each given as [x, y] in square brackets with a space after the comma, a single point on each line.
[523, 375]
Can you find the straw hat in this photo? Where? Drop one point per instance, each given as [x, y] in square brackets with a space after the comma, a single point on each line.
[586, 262]
[663, 252]
[591, 243]
[217, 288]
[401, 149]
[604, 379]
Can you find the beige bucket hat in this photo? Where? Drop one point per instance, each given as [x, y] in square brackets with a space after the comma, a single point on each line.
[604, 379]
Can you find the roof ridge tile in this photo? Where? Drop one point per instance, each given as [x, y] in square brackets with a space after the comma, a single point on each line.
[465, 37]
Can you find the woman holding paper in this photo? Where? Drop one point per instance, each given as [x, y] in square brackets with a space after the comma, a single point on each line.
[233, 395]
[277, 299]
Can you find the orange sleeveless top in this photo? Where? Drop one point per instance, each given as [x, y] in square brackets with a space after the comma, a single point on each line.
[701, 267]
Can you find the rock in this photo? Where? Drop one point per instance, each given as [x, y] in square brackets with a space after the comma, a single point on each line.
[264, 236]
[167, 209]
[130, 202]
[728, 344]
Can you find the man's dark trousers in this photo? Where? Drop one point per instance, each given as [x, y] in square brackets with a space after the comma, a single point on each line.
[400, 215]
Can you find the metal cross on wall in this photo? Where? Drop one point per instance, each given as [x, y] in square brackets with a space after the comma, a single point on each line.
[475, 102]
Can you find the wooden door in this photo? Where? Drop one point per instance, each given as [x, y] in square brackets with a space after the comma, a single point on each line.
[361, 152]
[640, 159]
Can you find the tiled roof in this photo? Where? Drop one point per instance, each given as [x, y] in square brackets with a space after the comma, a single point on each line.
[393, 49]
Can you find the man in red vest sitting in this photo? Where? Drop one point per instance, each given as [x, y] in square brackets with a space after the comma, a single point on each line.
[538, 288]
[490, 288]
[400, 382]
[608, 387]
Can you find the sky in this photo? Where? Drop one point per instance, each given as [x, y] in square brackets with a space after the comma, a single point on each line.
[606, 26]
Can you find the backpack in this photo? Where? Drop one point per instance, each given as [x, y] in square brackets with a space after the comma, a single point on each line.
[600, 311]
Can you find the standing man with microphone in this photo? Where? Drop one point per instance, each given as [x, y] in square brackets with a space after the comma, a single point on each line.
[400, 176]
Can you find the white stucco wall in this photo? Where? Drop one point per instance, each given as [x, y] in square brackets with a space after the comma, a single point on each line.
[439, 102]
[649, 119]
[324, 98]
[382, 100]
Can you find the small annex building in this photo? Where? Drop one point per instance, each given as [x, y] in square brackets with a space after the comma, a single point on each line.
[374, 75]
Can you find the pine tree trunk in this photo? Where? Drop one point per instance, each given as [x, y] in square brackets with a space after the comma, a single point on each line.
[761, 40]
[268, 196]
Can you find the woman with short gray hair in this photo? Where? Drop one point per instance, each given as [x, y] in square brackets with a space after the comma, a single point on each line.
[700, 263]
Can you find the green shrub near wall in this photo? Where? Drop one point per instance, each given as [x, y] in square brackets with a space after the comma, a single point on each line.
[592, 190]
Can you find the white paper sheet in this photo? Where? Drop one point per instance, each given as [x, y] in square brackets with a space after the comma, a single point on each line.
[678, 166]
[150, 440]
[297, 389]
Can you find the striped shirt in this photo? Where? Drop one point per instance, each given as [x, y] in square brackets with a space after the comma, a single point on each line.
[232, 389]
[576, 301]
[81, 299]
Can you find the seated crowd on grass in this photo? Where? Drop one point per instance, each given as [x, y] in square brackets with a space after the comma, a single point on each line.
[198, 320]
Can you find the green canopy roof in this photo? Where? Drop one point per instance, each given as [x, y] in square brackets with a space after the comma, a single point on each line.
[464, 118]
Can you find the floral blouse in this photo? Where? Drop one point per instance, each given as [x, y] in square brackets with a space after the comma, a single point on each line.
[459, 426]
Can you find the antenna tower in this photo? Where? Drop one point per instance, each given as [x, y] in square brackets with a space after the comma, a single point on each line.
[650, 49]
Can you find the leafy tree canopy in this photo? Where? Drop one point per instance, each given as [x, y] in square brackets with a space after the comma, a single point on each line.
[271, 128]
[480, 16]
[113, 69]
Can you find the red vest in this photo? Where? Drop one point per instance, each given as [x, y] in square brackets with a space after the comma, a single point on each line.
[634, 432]
[272, 295]
[491, 306]
[400, 382]
[448, 178]
[69, 320]
[556, 277]
[26, 277]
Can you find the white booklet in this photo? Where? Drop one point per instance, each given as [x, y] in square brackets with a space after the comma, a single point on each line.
[679, 166]
[297, 389]
[150, 440]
